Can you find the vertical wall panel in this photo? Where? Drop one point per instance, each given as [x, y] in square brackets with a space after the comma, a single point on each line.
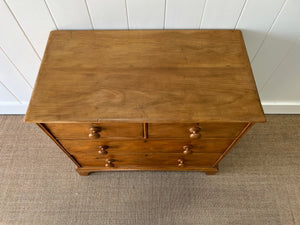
[35, 20]
[10, 77]
[108, 14]
[256, 20]
[6, 96]
[146, 14]
[70, 14]
[185, 16]
[284, 85]
[221, 14]
[16, 46]
[278, 42]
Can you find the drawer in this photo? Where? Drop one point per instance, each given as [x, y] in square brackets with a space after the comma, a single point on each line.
[188, 147]
[147, 160]
[108, 147]
[195, 130]
[95, 130]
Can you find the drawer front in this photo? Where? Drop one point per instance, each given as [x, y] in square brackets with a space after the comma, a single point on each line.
[195, 130]
[149, 160]
[95, 130]
[108, 147]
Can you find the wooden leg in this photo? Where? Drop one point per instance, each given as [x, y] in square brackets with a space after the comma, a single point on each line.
[213, 172]
[83, 172]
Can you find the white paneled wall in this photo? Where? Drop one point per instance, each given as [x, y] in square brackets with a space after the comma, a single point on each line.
[35, 20]
[70, 14]
[108, 14]
[183, 16]
[271, 30]
[17, 46]
[14, 82]
[280, 39]
[145, 14]
[221, 14]
[255, 22]
[285, 79]
[6, 95]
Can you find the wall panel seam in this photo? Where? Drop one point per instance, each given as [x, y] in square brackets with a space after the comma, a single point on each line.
[278, 65]
[126, 8]
[88, 11]
[127, 13]
[14, 65]
[13, 15]
[50, 13]
[10, 92]
[165, 13]
[241, 13]
[269, 30]
[203, 11]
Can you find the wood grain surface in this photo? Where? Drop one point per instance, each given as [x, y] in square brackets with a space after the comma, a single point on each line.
[145, 76]
[206, 130]
[82, 130]
[148, 160]
[150, 146]
[85, 171]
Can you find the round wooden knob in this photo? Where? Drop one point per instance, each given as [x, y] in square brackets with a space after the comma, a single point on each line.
[180, 162]
[94, 132]
[102, 150]
[109, 163]
[195, 132]
[187, 149]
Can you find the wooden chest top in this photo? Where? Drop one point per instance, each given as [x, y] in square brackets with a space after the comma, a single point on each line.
[148, 76]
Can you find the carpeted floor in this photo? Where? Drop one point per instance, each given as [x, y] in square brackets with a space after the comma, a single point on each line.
[258, 183]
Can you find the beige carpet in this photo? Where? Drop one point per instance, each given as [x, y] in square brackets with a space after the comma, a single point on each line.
[258, 183]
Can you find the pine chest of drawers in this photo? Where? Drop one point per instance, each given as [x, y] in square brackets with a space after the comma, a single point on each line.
[145, 100]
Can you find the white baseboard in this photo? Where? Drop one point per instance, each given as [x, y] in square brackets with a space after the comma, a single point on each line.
[269, 108]
[281, 107]
[11, 108]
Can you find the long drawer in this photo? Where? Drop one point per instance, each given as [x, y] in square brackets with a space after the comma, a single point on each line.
[195, 130]
[95, 130]
[108, 147]
[147, 160]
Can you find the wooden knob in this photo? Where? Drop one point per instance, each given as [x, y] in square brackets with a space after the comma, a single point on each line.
[109, 163]
[195, 132]
[187, 149]
[180, 162]
[94, 132]
[102, 150]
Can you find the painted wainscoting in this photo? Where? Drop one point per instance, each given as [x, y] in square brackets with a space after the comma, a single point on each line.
[271, 29]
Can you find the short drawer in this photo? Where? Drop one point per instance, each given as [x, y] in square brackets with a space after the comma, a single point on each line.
[148, 161]
[195, 130]
[95, 130]
[188, 147]
[108, 147]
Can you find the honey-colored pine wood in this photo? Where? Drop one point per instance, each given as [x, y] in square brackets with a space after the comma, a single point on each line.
[205, 130]
[146, 130]
[58, 144]
[243, 132]
[120, 146]
[149, 160]
[85, 171]
[157, 76]
[207, 172]
[174, 100]
[82, 130]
